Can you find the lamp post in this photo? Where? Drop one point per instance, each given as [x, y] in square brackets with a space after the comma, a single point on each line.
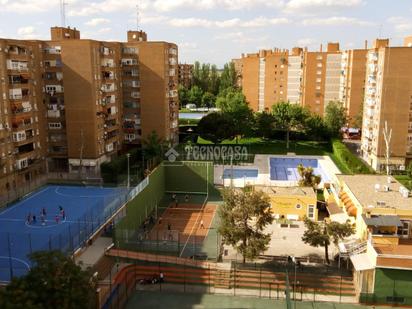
[128, 170]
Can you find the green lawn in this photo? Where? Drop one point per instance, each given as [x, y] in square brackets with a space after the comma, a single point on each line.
[405, 180]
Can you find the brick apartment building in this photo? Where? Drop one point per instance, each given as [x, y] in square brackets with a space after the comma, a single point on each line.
[70, 102]
[185, 74]
[388, 99]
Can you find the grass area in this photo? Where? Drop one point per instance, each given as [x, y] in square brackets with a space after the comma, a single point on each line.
[404, 180]
[185, 122]
[345, 157]
[176, 300]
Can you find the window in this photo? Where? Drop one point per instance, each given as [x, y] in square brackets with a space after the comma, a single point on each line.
[311, 212]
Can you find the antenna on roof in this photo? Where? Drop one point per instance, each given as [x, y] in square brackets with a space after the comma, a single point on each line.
[63, 13]
[137, 16]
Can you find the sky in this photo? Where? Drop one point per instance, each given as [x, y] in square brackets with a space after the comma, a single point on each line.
[215, 31]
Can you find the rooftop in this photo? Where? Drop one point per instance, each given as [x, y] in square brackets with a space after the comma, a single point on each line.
[370, 190]
[301, 191]
[395, 256]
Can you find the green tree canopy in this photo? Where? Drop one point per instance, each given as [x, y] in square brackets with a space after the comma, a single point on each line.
[183, 95]
[195, 95]
[233, 103]
[308, 179]
[208, 100]
[228, 78]
[289, 117]
[152, 146]
[335, 118]
[265, 124]
[216, 127]
[54, 282]
[243, 217]
[315, 128]
[322, 234]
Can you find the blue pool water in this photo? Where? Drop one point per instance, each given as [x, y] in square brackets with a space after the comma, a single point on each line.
[286, 168]
[240, 173]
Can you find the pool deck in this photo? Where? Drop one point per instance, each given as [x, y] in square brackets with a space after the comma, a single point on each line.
[262, 164]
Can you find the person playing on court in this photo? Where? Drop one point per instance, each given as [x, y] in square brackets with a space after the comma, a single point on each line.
[42, 219]
[34, 219]
[43, 211]
[176, 203]
[57, 218]
[60, 208]
[63, 214]
[28, 219]
[186, 198]
[160, 220]
[201, 224]
[169, 226]
[174, 197]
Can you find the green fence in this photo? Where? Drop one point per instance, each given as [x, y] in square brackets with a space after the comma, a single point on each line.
[392, 286]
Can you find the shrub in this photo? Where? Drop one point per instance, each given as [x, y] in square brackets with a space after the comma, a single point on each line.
[354, 164]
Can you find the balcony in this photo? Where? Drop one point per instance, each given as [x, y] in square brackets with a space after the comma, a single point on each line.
[20, 66]
[108, 75]
[129, 62]
[108, 88]
[108, 63]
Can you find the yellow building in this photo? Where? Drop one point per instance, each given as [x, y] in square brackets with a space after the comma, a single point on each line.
[292, 203]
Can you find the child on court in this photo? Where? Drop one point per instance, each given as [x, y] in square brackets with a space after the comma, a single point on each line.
[57, 218]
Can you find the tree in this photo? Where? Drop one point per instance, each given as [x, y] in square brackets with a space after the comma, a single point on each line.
[54, 282]
[228, 78]
[409, 170]
[265, 124]
[288, 117]
[243, 217]
[357, 120]
[308, 179]
[233, 103]
[183, 95]
[322, 234]
[214, 80]
[195, 95]
[216, 127]
[208, 100]
[335, 118]
[152, 146]
[315, 128]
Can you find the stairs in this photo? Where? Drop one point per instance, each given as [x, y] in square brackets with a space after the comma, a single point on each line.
[223, 276]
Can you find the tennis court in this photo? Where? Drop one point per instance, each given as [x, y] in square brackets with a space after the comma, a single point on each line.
[85, 210]
[184, 221]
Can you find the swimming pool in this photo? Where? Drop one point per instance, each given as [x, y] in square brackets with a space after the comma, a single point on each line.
[283, 168]
[240, 173]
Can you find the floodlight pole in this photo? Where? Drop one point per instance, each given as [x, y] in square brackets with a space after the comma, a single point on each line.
[128, 170]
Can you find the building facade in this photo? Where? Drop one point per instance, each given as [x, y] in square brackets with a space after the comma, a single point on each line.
[68, 103]
[388, 101]
[185, 75]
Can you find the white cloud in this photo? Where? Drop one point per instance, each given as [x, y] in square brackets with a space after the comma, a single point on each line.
[401, 24]
[169, 5]
[27, 6]
[106, 6]
[104, 30]
[241, 37]
[97, 21]
[336, 21]
[316, 6]
[187, 45]
[306, 42]
[229, 23]
[27, 32]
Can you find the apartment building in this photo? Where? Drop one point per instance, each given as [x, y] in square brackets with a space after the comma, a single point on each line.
[352, 82]
[309, 78]
[321, 78]
[295, 76]
[388, 100]
[265, 78]
[185, 74]
[69, 102]
[22, 124]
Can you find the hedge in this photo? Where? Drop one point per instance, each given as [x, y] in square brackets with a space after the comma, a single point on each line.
[352, 162]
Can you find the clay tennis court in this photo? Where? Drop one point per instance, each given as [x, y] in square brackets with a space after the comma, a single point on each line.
[183, 223]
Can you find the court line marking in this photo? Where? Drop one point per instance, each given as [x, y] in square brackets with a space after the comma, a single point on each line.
[16, 259]
[24, 199]
[83, 196]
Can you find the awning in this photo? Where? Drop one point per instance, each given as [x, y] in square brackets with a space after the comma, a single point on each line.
[362, 261]
[382, 221]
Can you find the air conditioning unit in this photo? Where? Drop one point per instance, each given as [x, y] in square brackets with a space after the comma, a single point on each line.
[386, 188]
[377, 187]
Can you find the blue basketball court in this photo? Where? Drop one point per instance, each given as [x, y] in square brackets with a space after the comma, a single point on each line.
[85, 210]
